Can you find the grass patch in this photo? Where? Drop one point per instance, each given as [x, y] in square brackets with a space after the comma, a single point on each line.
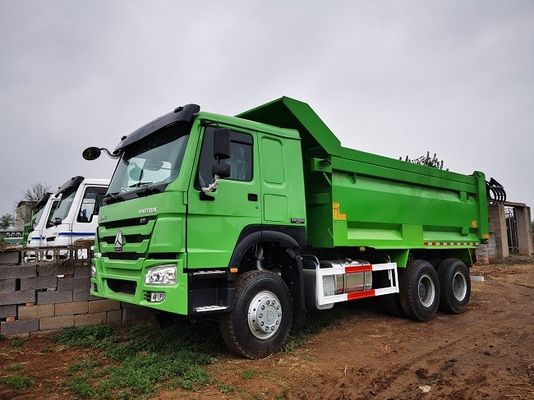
[18, 341]
[89, 336]
[83, 366]
[80, 387]
[140, 359]
[226, 388]
[248, 374]
[15, 367]
[16, 382]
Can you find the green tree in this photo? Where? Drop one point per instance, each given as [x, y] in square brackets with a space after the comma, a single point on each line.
[6, 221]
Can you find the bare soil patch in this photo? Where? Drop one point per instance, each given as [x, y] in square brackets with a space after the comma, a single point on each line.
[487, 352]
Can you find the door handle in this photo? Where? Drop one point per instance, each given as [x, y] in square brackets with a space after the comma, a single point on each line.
[252, 197]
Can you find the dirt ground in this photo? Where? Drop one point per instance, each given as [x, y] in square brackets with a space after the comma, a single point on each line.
[487, 352]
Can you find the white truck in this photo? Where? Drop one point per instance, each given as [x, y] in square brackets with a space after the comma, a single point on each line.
[38, 221]
[72, 213]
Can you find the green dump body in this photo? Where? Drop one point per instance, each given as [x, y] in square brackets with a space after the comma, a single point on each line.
[354, 198]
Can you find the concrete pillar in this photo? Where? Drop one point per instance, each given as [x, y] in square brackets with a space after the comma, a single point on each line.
[498, 228]
[524, 233]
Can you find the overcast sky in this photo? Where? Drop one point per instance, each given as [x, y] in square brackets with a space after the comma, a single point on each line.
[390, 77]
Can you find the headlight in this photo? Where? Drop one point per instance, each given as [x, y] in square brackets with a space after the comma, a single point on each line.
[93, 271]
[162, 275]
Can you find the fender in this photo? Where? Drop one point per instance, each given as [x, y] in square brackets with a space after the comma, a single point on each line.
[290, 237]
[255, 234]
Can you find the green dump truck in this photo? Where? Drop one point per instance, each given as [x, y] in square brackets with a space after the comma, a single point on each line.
[262, 216]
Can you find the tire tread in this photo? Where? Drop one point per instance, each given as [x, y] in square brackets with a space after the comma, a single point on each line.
[408, 298]
[226, 322]
[448, 302]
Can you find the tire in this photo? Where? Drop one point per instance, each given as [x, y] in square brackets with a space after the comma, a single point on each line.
[419, 290]
[391, 303]
[241, 329]
[435, 261]
[455, 284]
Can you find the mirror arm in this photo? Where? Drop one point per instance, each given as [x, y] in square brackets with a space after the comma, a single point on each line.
[109, 153]
[212, 186]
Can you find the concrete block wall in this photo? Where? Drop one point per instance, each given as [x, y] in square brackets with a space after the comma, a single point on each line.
[487, 252]
[44, 297]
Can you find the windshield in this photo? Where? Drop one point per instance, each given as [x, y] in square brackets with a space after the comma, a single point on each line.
[50, 212]
[37, 215]
[61, 208]
[154, 160]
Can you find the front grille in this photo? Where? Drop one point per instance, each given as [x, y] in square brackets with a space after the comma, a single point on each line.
[127, 222]
[123, 256]
[120, 286]
[127, 239]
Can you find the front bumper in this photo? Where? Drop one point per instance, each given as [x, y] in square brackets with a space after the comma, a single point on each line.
[124, 280]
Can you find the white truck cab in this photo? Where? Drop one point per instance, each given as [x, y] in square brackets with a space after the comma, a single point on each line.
[74, 214]
[38, 221]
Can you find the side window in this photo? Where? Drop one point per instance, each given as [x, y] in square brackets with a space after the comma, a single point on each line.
[240, 160]
[91, 203]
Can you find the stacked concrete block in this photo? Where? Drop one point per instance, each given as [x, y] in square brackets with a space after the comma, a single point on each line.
[11, 295]
[487, 251]
[45, 297]
[499, 230]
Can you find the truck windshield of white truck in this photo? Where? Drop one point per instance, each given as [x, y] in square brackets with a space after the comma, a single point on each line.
[61, 209]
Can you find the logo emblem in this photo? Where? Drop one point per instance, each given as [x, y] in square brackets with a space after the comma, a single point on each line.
[148, 210]
[118, 241]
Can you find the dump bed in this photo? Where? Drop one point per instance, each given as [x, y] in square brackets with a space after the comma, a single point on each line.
[354, 198]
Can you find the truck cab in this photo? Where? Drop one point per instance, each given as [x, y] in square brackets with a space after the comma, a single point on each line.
[38, 220]
[74, 211]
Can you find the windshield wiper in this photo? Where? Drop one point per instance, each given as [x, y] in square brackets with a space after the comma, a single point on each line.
[110, 198]
[149, 190]
[139, 184]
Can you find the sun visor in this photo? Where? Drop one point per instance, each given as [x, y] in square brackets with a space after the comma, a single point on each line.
[42, 201]
[71, 183]
[180, 114]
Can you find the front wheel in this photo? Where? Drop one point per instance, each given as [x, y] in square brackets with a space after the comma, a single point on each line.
[261, 316]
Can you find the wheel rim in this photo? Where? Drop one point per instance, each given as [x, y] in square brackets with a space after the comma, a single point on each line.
[426, 290]
[264, 315]
[459, 286]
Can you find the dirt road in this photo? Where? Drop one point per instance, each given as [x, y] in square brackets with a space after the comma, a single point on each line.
[487, 352]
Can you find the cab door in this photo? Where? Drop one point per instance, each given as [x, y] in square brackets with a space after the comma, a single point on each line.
[216, 219]
[86, 218]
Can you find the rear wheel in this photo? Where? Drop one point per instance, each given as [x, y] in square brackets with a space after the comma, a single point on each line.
[419, 290]
[261, 316]
[455, 285]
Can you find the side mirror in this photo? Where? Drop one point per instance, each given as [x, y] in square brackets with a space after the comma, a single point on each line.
[221, 170]
[91, 153]
[221, 144]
